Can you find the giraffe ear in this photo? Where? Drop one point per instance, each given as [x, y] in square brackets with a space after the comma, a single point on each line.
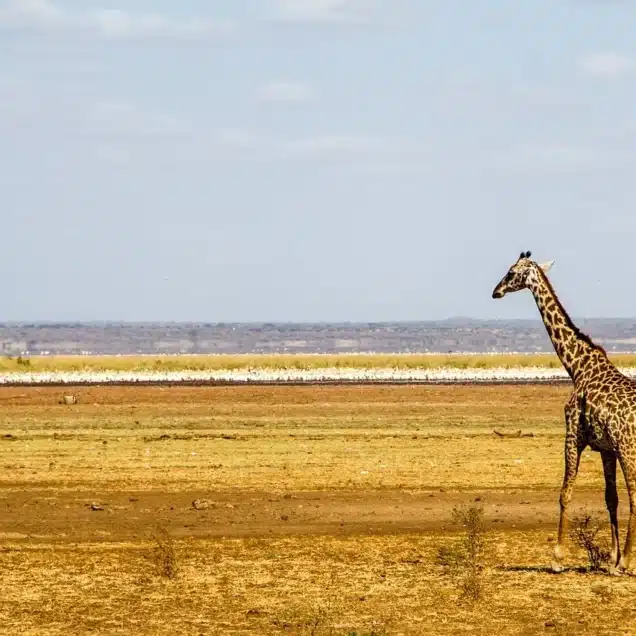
[546, 266]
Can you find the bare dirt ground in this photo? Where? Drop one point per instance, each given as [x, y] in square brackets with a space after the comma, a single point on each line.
[39, 517]
[320, 511]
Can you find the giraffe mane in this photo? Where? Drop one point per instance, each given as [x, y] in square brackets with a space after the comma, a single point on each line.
[570, 323]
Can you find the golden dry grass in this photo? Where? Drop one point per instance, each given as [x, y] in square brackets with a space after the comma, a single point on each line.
[297, 586]
[342, 463]
[291, 361]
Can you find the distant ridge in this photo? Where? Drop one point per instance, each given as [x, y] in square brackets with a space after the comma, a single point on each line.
[456, 334]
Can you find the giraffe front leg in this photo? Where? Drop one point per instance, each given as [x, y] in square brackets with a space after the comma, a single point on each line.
[611, 501]
[572, 466]
[573, 450]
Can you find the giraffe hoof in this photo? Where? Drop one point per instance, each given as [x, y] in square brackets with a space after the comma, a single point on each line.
[557, 568]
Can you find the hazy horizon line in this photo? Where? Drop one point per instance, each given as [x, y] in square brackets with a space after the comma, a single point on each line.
[109, 321]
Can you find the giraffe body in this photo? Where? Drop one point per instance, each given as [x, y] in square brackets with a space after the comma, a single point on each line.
[600, 413]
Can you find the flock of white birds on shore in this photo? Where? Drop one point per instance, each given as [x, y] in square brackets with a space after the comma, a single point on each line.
[309, 376]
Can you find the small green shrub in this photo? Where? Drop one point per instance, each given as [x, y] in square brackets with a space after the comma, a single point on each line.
[465, 558]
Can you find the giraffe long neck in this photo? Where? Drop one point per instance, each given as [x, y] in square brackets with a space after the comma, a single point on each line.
[574, 349]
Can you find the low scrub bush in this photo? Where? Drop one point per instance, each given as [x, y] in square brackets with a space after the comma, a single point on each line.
[465, 558]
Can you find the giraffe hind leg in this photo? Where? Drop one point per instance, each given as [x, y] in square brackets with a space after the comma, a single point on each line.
[611, 501]
[629, 471]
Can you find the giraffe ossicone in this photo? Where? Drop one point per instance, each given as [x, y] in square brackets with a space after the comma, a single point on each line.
[601, 410]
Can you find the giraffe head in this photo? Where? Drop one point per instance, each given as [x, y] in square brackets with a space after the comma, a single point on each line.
[520, 276]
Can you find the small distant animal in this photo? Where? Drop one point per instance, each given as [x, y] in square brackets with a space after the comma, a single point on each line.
[67, 399]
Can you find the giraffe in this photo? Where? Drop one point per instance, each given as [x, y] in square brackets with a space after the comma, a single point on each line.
[600, 412]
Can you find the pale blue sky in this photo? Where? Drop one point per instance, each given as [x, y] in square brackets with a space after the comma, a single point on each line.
[309, 160]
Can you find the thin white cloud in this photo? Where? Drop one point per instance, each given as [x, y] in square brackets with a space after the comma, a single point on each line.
[238, 138]
[398, 168]
[311, 10]
[290, 92]
[551, 157]
[609, 65]
[325, 11]
[560, 154]
[116, 119]
[336, 145]
[121, 24]
[368, 153]
[26, 109]
[44, 15]
[544, 98]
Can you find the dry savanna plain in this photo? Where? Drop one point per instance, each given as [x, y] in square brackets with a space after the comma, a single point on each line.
[291, 510]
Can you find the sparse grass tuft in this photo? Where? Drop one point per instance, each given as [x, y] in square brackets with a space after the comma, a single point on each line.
[465, 558]
[165, 555]
[324, 617]
[315, 619]
[583, 533]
